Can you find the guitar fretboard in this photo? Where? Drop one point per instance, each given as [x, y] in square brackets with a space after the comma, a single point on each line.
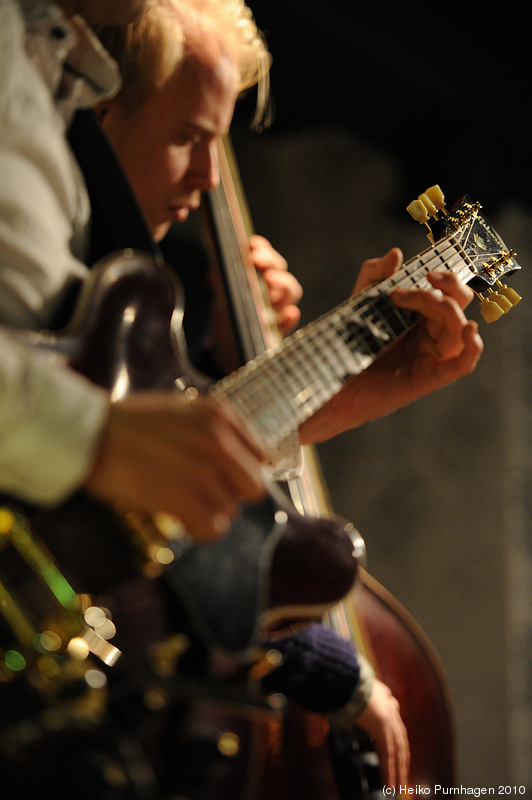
[279, 389]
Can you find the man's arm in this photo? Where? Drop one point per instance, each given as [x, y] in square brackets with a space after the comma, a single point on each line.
[50, 421]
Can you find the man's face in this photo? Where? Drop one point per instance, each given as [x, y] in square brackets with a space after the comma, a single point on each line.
[168, 146]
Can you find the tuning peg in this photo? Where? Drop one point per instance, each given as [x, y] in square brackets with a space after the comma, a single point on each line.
[418, 211]
[490, 310]
[435, 195]
[511, 295]
[501, 300]
[427, 205]
[432, 211]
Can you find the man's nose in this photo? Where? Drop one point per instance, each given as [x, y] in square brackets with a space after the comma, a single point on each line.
[205, 170]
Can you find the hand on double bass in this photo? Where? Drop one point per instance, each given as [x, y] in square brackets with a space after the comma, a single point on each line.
[381, 719]
[284, 289]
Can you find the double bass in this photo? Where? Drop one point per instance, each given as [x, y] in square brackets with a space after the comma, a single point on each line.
[299, 755]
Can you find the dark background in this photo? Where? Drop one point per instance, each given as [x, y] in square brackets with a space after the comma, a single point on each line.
[443, 87]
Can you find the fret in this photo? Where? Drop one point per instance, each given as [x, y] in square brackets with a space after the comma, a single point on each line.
[442, 256]
[317, 346]
[322, 353]
[348, 362]
[315, 360]
[388, 320]
[296, 369]
[363, 337]
[306, 385]
[369, 329]
[264, 394]
[303, 353]
[353, 330]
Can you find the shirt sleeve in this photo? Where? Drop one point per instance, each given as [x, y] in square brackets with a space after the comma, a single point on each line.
[44, 207]
[50, 417]
[319, 670]
[347, 716]
[50, 424]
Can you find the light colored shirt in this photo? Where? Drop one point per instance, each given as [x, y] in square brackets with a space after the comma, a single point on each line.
[50, 418]
[44, 208]
[50, 422]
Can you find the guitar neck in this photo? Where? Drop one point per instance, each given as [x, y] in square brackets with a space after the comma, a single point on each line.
[282, 387]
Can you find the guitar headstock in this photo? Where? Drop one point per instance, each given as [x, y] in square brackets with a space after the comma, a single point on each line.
[483, 249]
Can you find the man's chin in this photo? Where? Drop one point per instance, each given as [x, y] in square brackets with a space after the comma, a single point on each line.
[160, 231]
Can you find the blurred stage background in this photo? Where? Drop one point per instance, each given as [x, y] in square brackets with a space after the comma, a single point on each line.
[374, 103]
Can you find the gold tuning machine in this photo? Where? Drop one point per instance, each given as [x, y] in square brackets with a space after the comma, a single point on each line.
[509, 293]
[435, 196]
[498, 299]
[427, 205]
[498, 302]
[490, 309]
[418, 211]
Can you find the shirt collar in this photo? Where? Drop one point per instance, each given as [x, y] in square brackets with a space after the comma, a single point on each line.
[69, 57]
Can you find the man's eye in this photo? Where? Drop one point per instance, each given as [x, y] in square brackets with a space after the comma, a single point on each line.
[186, 140]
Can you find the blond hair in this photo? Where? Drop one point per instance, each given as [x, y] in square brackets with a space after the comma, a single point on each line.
[149, 50]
